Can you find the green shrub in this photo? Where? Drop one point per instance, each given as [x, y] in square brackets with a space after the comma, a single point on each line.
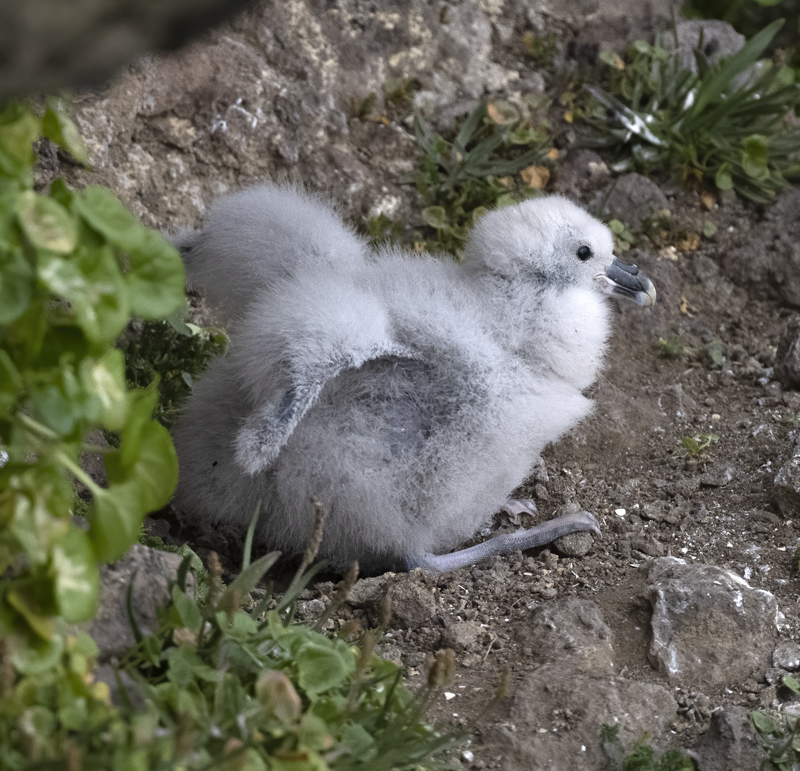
[460, 180]
[75, 267]
[725, 125]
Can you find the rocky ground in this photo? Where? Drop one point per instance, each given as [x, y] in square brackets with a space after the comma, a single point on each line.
[685, 610]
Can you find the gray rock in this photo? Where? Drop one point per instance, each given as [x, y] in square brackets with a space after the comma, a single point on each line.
[709, 626]
[572, 630]
[767, 262]
[786, 492]
[719, 39]
[787, 358]
[787, 656]
[574, 544]
[634, 199]
[558, 713]
[149, 570]
[729, 743]
[719, 475]
[412, 602]
[463, 635]
[649, 545]
[774, 676]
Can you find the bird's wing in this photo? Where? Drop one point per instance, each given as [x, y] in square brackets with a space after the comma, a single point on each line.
[269, 427]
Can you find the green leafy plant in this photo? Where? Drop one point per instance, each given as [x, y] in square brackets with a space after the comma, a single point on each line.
[642, 756]
[727, 125]
[695, 445]
[780, 739]
[217, 686]
[172, 354]
[75, 267]
[750, 16]
[459, 180]
[715, 351]
[671, 347]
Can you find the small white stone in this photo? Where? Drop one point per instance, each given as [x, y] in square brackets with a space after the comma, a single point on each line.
[620, 512]
[449, 695]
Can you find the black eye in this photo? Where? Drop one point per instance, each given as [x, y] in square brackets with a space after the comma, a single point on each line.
[584, 253]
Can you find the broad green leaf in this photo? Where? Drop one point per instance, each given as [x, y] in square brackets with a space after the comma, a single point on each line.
[314, 733]
[322, 667]
[46, 223]
[58, 127]
[187, 609]
[104, 378]
[755, 156]
[108, 216]
[34, 609]
[141, 404]
[16, 285]
[19, 129]
[763, 722]
[436, 217]
[76, 582]
[156, 281]
[723, 179]
[136, 489]
[35, 656]
[94, 287]
[116, 521]
[54, 408]
[358, 741]
[182, 663]
[10, 384]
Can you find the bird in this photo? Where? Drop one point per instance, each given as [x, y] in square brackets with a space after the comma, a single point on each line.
[409, 393]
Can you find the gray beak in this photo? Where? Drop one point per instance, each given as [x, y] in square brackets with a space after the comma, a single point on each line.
[625, 280]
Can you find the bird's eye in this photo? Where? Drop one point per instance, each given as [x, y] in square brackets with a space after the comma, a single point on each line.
[584, 253]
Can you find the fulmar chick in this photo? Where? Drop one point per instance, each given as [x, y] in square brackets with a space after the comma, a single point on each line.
[410, 394]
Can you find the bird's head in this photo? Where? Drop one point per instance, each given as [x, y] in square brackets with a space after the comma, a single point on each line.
[552, 242]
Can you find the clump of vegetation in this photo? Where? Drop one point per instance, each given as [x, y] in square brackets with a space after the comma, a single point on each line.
[780, 739]
[642, 756]
[730, 124]
[75, 267]
[695, 445]
[750, 16]
[384, 230]
[715, 351]
[172, 354]
[460, 180]
[218, 686]
[671, 347]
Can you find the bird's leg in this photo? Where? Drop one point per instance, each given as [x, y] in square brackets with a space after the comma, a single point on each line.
[504, 544]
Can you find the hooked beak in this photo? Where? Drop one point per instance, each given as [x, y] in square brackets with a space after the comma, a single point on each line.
[623, 280]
